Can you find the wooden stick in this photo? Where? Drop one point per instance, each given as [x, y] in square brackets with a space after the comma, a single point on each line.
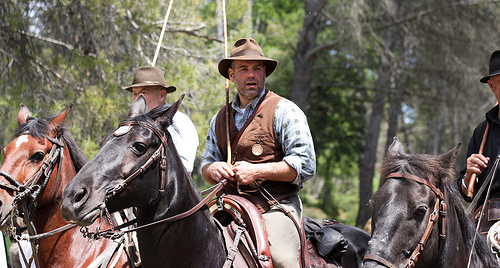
[470, 189]
[224, 19]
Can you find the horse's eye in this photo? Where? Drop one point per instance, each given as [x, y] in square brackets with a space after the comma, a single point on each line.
[139, 147]
[37, 157]
[419, 213]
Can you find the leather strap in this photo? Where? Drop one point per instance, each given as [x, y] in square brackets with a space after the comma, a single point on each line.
[378, 259]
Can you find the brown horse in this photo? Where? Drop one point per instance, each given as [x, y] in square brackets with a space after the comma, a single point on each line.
[418, 219]
[39, 162]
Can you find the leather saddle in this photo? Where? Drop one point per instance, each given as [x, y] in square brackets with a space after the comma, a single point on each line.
[237, 213]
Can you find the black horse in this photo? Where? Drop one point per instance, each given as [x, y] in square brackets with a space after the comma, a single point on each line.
[113, 179]
[418, 219]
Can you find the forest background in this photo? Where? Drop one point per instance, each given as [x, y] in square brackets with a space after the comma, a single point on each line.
[364, 71]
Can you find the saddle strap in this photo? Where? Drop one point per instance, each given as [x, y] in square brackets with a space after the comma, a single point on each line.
[234, 248]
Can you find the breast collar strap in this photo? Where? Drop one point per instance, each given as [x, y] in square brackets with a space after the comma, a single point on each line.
[438, 213]
[160, 152]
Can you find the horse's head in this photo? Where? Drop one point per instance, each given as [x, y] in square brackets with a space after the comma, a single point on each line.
[29, 158]
[403, 205]
[126, 171]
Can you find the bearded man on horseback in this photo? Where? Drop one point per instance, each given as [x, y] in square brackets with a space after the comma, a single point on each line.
[272, 151]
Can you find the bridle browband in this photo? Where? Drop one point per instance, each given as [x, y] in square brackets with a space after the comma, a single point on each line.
[439, 213]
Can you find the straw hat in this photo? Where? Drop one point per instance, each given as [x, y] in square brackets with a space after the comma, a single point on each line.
[246, 49]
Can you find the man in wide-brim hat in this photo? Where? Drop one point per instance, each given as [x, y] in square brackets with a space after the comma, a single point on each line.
[477, 163]
[149, 81]
[271, 146]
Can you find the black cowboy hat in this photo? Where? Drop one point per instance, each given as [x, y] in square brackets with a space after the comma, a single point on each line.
[149, 76]
[494, 66]
[246, 49]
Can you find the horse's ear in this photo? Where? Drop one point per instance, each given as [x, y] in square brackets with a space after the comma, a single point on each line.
[396, 148]
[166, 118]
[448, 159]
[139, 106]
[23, 115]
[61, 118]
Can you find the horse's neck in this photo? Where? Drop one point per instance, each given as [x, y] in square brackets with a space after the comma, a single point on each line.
[185, 234]
[454, 252]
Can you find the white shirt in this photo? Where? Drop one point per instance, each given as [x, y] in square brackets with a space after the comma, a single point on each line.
[185, 139]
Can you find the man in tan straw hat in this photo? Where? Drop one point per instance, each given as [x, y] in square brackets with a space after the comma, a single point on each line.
[480, 153]
[150, 82]
[271, 146]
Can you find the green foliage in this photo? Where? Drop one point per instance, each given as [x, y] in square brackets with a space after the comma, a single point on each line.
[54, 53]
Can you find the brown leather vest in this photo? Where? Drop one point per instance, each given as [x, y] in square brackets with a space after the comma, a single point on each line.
[255, 144]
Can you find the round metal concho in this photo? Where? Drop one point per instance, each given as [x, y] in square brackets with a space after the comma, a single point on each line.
[257, 149]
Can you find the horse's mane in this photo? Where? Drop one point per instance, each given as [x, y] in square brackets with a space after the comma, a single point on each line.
[40, 128]
[429, 167]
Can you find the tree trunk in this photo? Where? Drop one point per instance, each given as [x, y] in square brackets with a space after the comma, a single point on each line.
[304, 61]
[382, 86]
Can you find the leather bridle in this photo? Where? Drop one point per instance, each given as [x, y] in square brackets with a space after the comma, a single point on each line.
[115, 232]
[438, 213]
[159, 153]
[28, 192]
[25, 196]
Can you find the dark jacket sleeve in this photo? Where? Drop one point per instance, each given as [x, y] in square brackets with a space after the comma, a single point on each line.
[474, 144]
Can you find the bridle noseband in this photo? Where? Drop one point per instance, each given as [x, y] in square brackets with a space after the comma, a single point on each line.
[439, 213]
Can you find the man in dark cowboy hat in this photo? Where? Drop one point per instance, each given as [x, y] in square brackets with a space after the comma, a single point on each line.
[271, 146]
[480, 164]
[150, 82]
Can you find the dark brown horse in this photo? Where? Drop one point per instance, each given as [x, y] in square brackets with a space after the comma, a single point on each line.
[39, 162]
[128, 171]
[193, 242]
[418, 219]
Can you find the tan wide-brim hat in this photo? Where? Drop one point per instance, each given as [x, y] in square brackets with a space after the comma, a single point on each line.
[246, 49]
[149, 76]
[494, 67]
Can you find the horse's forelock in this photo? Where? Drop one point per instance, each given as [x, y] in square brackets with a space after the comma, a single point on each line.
[41, 128]
[151, 116]
[36, 127]
[422, 165]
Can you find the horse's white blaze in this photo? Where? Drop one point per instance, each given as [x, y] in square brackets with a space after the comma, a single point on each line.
[20, 140]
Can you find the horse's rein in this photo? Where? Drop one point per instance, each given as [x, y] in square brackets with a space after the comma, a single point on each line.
[112, 234]
[439, 210]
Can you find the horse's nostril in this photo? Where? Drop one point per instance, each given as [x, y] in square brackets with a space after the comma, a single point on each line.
[80, 195]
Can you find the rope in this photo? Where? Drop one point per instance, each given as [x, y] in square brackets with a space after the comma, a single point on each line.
[493, 173]
[162, 32]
